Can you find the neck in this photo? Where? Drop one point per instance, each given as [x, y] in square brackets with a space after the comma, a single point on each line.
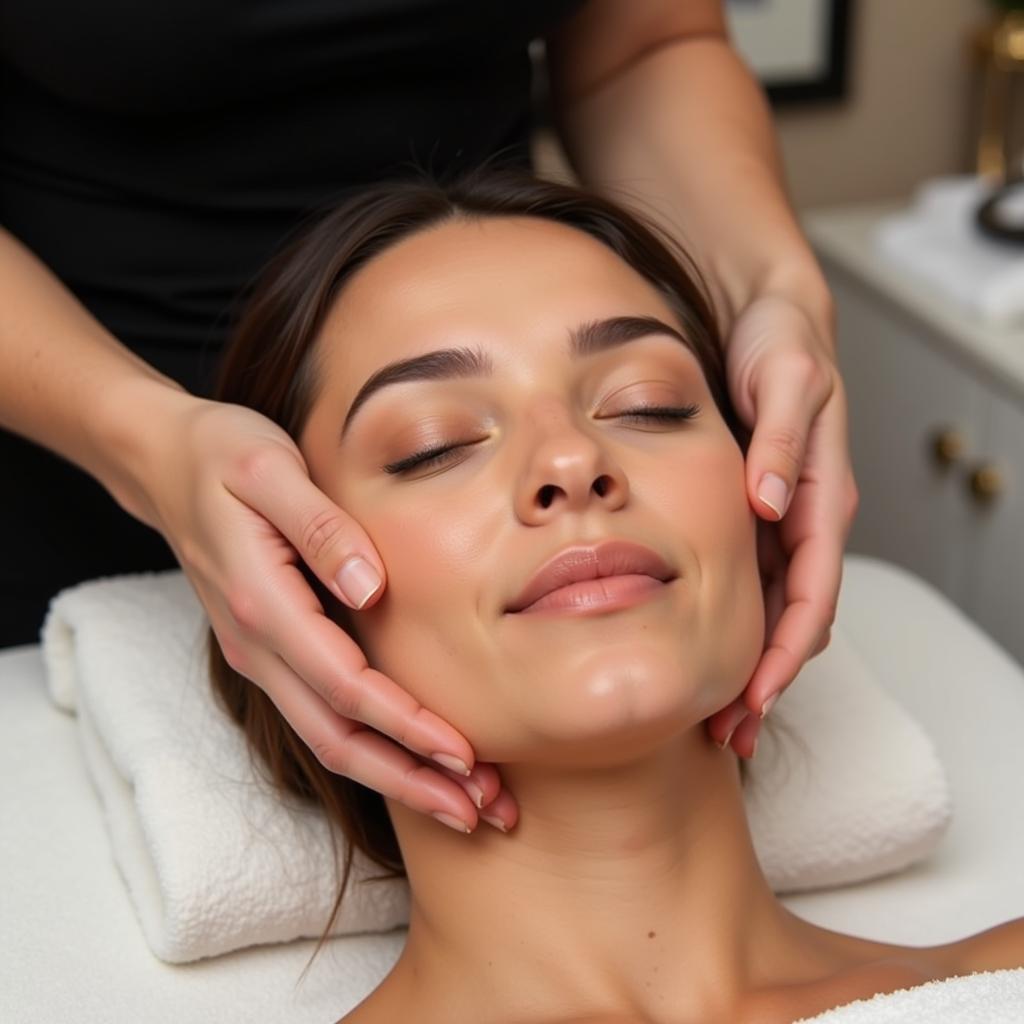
[623, 890]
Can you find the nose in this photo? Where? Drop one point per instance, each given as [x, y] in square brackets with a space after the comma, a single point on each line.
[569, 471]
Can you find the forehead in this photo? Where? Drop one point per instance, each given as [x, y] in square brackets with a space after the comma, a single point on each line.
[493, 282]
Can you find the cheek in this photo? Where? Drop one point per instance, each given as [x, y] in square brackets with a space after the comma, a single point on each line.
[734, 599]
[706, 498]
[424, 631]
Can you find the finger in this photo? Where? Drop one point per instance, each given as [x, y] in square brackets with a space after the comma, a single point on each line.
[774, 563]
[349, 749]
[327, 660]
[502, 813]
[722, 723]
[826, 638]
[791, 392]
[337, 669]
[744, 739]
[336, 548]
[816, 529]
[482, 784]
[812, 583]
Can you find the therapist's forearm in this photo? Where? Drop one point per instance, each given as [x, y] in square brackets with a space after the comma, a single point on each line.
[67, 383]
[687, 130]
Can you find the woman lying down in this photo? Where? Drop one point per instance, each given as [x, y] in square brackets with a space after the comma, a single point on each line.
[515, 387]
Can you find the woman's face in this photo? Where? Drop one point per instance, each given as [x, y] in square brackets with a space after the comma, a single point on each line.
[545, 460]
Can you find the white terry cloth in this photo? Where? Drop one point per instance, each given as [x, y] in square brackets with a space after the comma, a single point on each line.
[936, 239]
[985, 997]
[216, 860]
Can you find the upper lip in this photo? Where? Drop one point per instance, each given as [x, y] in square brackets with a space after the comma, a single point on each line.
[588, 562]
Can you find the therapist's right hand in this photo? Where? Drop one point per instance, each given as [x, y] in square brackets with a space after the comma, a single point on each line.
[231, 493]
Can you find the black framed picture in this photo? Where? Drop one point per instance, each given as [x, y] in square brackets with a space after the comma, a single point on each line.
[797, 48]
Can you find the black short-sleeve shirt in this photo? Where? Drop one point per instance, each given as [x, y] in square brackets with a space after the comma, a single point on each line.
[155, 154]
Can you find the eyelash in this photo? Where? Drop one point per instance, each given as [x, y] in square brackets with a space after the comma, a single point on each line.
[441, 453]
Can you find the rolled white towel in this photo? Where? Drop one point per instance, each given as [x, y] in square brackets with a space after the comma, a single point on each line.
[985, 997]
[216, 860]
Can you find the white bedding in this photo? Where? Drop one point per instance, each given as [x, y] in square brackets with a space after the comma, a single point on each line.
[72, 948]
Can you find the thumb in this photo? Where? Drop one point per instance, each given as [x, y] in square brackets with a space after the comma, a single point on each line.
[786, 406]
[334, 546]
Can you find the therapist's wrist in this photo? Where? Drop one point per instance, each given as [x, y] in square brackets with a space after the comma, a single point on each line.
[128, 426]
[798, 280]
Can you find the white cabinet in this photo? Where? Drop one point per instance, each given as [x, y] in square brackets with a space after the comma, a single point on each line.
[994, 590]
[923, 379]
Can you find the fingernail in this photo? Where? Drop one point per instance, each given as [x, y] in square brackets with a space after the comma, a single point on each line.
[358, 581]
[725, 742]
[451, 763]
[476, 794]
[451, 821]
[769, 704]
[740, 713]
[774, 493]
[496, 822]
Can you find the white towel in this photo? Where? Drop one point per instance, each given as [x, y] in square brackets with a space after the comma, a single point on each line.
[215, 860]
[937, 240]
[986, 997]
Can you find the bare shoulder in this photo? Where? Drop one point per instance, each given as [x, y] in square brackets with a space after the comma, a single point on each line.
[994, 949]
[784, 1004]
[856, 968]
[891, 968]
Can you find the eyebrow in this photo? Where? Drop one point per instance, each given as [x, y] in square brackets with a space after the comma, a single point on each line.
[587, 339]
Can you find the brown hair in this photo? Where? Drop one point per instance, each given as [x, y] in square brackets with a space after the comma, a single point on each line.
[270, 365]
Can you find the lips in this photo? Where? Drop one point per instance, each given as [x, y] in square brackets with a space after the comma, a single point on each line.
[578, 564]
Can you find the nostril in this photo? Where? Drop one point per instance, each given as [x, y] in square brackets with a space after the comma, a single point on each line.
[546, 495]
[601, 486]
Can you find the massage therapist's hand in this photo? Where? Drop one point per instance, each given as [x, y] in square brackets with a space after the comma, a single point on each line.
[784, 383]
[230, 492]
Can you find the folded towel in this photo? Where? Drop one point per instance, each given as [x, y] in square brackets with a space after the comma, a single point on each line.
[937, 240]
[215, 859]
[986, 997]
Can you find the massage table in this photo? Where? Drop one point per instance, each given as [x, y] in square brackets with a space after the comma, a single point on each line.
[72, 950]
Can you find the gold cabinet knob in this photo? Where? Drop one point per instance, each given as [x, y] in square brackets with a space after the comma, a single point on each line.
[986, 483]
[947, 445]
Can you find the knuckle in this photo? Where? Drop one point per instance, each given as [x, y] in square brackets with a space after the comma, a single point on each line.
[814, 374]
[852, 500]
[333, 757]
[345, 700]
[190, 554]
[804, 365]
[789, 443]
[243, 609]
[408, 791]
[822, 644]
[256, 465]
[235, 655]
[321, 533]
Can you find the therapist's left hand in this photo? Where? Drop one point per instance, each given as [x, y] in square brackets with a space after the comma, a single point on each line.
[785, 386]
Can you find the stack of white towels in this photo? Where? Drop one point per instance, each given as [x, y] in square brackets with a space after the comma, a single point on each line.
[937, 240]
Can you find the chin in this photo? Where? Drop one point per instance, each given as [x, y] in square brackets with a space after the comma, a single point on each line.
[610, 705]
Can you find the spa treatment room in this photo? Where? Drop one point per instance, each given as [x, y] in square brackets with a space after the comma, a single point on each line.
[512, 512]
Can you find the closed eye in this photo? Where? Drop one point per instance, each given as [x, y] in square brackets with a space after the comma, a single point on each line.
[663, 413]
[429, 456]
[440, 454]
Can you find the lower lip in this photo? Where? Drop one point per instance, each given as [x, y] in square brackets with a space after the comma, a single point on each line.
[605, 594]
